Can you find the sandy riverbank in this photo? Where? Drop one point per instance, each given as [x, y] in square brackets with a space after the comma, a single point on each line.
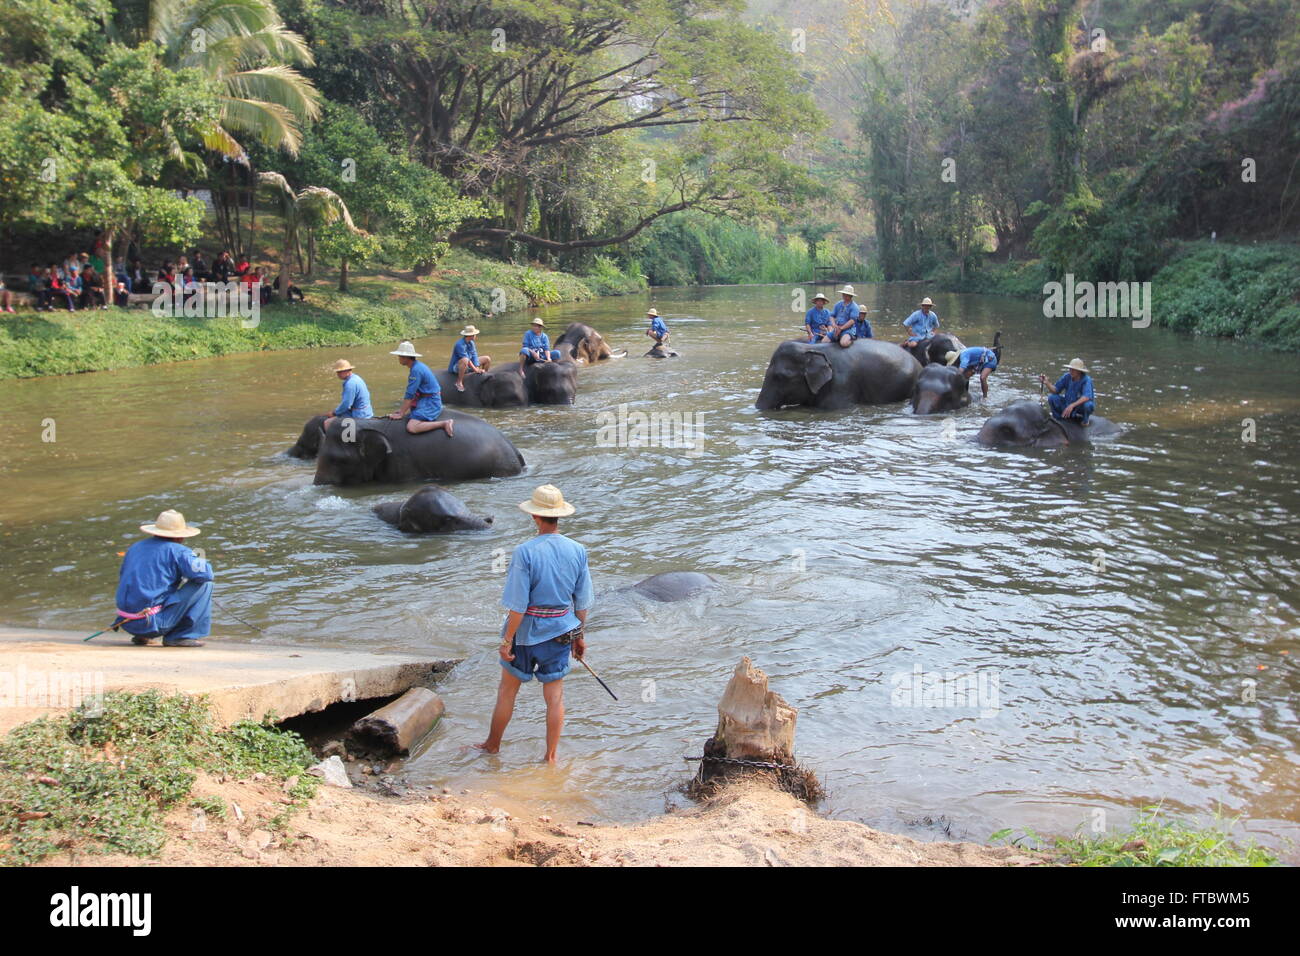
[748, 825]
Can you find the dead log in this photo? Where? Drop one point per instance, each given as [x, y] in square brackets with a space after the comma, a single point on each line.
[395, 728]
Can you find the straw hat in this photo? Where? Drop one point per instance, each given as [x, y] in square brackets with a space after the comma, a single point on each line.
[1077, 365]
[343, 365]
[654, 312]
[469, 330]
[406, 350]
[538, 321]
[926, 301]
[848, 290]
[951, 357]
[170, 524]
[820, 296]
[548, 503]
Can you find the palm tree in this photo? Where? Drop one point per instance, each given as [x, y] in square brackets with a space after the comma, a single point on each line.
[311, 207]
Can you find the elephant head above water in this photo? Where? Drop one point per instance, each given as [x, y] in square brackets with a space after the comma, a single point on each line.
[940, 388]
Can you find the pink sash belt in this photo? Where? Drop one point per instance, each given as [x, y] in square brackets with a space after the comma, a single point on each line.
[127, 616]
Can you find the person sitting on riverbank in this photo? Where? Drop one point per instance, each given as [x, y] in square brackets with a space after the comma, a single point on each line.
[844, 318]
[355, 400]
[6, 297]
[817, 320]
[536, 347]
[972, 360]
[658, 329]
[547, 595]
[465, 358]
[1072, 396]
[423, 397]
[164, 589]
[55, 286]
[922, 324]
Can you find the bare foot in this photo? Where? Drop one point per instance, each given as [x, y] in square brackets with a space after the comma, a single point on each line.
[486, 749]
[460, 386]
[451, 427]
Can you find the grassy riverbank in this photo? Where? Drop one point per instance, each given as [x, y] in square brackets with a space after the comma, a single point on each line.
[1245, 292]
[378, 308]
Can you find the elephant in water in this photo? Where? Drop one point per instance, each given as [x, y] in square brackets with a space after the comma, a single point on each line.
[582, 344]
[824, 375]
[308, 443]
[1028, 424]
[935, 349]
[544, 383]
[674, 585]
[940, 388]
[382, 450]
[431, 510]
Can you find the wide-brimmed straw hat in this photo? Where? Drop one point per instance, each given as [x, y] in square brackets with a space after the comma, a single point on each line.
[848, 290]
[538, 321]
[343, 365]
[547, 502]
[951, 357]
[170, 524]
[1077, 365]
[469, 330]
[654, 312]
[405, 350]
[821, 296]
[926, 301]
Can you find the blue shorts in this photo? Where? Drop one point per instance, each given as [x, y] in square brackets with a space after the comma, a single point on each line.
[548, 661]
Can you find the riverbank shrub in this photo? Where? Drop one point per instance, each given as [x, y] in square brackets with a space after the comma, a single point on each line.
[101, 779]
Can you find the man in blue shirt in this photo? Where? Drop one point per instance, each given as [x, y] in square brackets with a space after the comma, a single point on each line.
[921, 323]
[1072, 396]
[164, 589]
[465, 358]
[817, 320]
[972, 360]
[355, 401]
[658, 329]
[423, 397]
[844, 318]
[547, 594]
[536, 347]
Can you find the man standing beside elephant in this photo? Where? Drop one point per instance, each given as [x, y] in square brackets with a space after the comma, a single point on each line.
[355, 400]
[845, 318]
[423, 397]
[547, 594]
[1072, 396]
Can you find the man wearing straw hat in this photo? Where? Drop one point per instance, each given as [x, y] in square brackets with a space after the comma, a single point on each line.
[1072, 396]
[355, 401]
[658, 329]
[921, 324]
[465, 357]
[423, 397]
[547, 594]
[972, 360]
[845, 318]
[817, 320]
[164, 589]
[536, 347]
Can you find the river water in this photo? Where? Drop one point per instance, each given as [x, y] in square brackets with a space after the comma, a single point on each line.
[1127, 613]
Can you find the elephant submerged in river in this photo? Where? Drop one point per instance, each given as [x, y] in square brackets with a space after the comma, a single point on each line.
[940, 388]
[431, 510]
[670, 586]
[382, 450]
[825, 375]
[1029, 425]
[543, 383]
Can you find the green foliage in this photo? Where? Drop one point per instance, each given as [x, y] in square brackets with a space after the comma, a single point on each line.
[104, 776]
[1153, 840]
[538, 287]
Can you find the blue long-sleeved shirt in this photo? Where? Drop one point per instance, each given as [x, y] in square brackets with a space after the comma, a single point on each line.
[152, 571]
[818, 320]
[1072, 391]
[355, 401]
[549, 570]
[658, 327]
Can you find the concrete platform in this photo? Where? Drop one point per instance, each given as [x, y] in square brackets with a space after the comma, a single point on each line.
[45, 671]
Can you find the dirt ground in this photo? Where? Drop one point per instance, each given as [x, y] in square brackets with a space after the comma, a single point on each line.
[746, 825]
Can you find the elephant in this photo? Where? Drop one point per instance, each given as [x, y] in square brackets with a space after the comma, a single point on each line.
[674, 585]
[308, 443]
[583, 345]
[934, 350]
[544, 383]
[825, 375]
[661, 351]
[940, 388]
[431, 510]
[1028, 424]
[382, 450]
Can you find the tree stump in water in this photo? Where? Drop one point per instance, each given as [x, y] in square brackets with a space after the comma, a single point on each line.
[755, 725]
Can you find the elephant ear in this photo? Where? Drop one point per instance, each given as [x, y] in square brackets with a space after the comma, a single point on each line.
[375, 442]
[816, 371]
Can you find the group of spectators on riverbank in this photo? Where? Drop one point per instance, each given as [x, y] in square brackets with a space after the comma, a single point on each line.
[79, 281]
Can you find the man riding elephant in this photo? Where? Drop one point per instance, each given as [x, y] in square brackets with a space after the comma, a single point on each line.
[817, 320]
[921, 324]
[422, 400]
[846, 319]
[465, 357]
[1072, 396]
[355, 401]
[536, 347]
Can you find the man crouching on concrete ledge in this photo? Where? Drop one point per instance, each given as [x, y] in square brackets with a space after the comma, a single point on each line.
[164, 589]
[547, 594]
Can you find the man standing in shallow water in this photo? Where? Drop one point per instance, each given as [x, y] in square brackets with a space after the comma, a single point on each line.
[547, 594]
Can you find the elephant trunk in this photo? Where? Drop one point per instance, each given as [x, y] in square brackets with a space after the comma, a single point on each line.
[926, 403]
